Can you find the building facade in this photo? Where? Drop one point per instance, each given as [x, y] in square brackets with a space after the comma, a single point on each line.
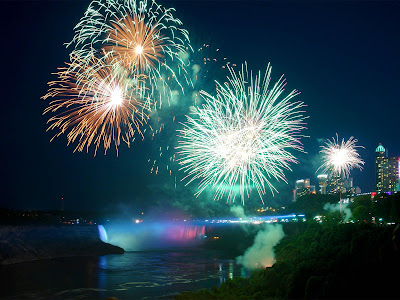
[322, 181]
[302, 187]
[335, 184]
[386, 171]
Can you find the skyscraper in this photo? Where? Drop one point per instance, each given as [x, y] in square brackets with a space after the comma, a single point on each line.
[335, 183]
[386, 171]
[380, 157]
[322, 180]
[302, 187]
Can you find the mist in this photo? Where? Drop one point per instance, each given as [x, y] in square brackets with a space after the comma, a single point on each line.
[153, 235]
[261, 254]
[238, 211]
[340, 208]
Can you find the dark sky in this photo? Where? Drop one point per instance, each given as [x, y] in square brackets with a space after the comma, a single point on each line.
[342, 55]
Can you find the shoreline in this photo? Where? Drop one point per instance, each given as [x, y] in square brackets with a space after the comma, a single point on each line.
[15, 261]
[19, 244]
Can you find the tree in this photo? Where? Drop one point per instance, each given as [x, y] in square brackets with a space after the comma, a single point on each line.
[361, 213]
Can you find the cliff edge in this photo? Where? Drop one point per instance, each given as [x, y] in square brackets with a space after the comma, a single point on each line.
[27, 243]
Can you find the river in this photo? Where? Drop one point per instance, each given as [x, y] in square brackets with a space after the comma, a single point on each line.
[133, 275]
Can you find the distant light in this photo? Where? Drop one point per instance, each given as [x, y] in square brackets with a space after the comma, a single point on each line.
[340, 157]
[139, 49]
[116, 97]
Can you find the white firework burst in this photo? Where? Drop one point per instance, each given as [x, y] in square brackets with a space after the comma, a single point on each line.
[341, 158]
[242, 137]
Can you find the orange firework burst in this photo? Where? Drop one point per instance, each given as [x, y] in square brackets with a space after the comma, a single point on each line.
[141, 36]
[136, 44]
[99, 104]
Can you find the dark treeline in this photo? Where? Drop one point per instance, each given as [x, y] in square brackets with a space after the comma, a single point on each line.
[382, 206]
[51, 217]
[363, 208]
[312, 204]
[325, 261]
[328, 260]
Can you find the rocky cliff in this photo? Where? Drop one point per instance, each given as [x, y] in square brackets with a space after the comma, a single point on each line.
[25, 243]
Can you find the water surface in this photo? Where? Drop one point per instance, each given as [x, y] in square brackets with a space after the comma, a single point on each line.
[132, 275]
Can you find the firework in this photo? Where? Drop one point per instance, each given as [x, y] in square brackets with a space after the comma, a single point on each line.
[96, 104]
[137, 45]
[341, 158]
[141, 35]
[240, 139]
[206, 62]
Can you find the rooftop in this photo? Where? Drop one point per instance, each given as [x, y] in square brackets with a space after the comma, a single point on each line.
[380, 148]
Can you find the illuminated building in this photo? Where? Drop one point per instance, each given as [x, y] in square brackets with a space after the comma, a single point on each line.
[322, 180]
[348, 183]
[350, 188]
[307, 183]
[335, 184]
[380, 157]
[302, 187]
[386, 171]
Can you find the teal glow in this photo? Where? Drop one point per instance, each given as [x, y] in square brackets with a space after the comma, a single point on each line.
[380, 148]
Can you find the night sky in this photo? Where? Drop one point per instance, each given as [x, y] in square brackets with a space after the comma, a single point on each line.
[342, 55]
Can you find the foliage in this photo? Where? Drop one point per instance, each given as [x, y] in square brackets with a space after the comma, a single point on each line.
[383, 206]
[312, 204]
[325, 261]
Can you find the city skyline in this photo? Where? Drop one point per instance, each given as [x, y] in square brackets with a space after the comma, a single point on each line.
[343, 57]
[387, 178]
[387, 171]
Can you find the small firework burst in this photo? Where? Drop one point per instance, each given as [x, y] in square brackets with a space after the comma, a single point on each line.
[341, 158]
[137, 45]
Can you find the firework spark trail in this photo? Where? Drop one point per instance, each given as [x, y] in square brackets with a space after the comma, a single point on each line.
[242, 136]
[99, 103]
[207, 64]
[341, 158]
[143, 36]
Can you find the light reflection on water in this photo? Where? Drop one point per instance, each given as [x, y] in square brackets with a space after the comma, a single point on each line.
[154, 235]
[133, 275]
